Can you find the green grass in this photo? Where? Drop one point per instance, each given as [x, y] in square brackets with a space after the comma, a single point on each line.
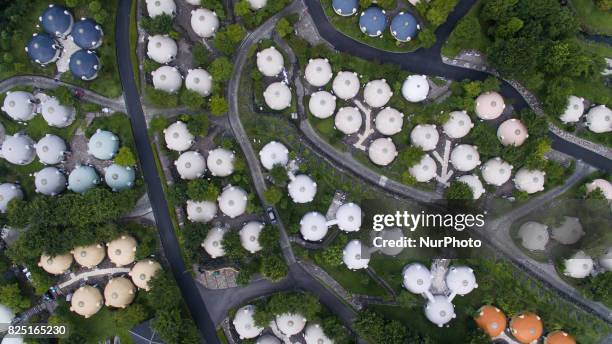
[96, 328]
[593, 19]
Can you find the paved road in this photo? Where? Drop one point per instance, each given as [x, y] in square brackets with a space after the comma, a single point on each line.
[429, 61]
[172, 250]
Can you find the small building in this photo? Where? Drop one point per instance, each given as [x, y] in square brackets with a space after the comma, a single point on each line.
[86, 301]
[534, 235]
[416, 278]
[84, 65]
[18, 149]
[461, 280]
[474, 183]
[465, 157]
[6, 315]
[201, 211]
[599, 119]
[162, 49]
[87, 34]
[526, 328]
[559, 337]
[143, 271]
[233, 201]
[606, 259]
[190, 165]
[425, 136]
[489, 105]
[270, 62]
[220, 162]
[491, 320]
[313, 226]
[57, 21]
[51, 149]
[82, 179]
[458, 125]
[267, 339]
[580, 265]
[302, 189]
[50, 181]
[167, 79]
[213, 243]
[204, 22]
[19, 106]
[257, 4]
[389, 121]
[391, 234]
[9, 192]
[496, 171]
[425, 170]
[272, 154]
[43, 49]
[103, 145]
[119, 177]
[569, 231]
[345, 8]
[119, 292]
[318, 72]
[377, 93]
[178, 137]
[600, 184]
[573, 110]
[277, 96]
[512, 132]
[382, 151]
[529, 181]
[122, 251]
[322, 104]
[415, 88]
[346, 85]
[244, 323]
[404, 27]
[89, 256]
[314, 334]
[199, 81]
[249, 236]
[56, 114]
[57, 265]
[348, 120]
[356, 255]
[158, 7]
[348, 217]
[373, 21]
[439, 310]
[290, 324]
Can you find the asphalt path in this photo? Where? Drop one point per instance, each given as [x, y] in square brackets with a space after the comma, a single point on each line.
[429, 61]
[172, 250]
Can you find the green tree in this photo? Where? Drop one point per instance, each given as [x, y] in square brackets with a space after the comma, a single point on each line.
[11, 297]
[227, 39]
[604, 5]
[198, 125]
[283, 27]
[242, 8]
[192, 99]
[427, 37]
[459, 191]
[202, 190]
[279, 175]
[158, 25]
[199, 55]
[218, 105]
[130, 316]
[125, 157]
[221, 69]
[273, 195]
[273, 267]
[232, 246]
[410, 156]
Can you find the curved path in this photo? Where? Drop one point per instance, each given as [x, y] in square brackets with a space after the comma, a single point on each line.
[172, 250]
[429, 61]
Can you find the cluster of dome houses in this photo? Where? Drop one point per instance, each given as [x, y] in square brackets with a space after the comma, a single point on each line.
[200, 24]
[598, 119]
[65, 38]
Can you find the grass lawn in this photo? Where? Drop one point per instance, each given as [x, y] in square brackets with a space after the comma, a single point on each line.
[96, 328]
[593, 19]
[478, 41]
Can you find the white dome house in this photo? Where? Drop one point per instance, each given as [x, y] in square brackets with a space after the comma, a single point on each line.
[322, 104]
[348, 217]
[162, 49]
[270, 62]
[200, 81]
[600, 184]
[599, 119]
[496, 171]
[348, 120]
[489, 105]
[18, 149]
[201, 211]
[257, 4]
[249, 236]
[512, 133]
[377, 93]
[159, 7]
[573, 110]
[529, 181]
[346, 85]
[302, 189]
[190, 165]
[19, 106]
[461, 280]
[55, 114]
[245, 324]
[314, 334]
[167, 79]
[356, 255]
[220, 162]
[415, 88]
[606, 260]
[569, 232]
[213, 243]
[425, 170]
[439, 310]
[318, 72]
[177, 137]
[458, 125]
[9, 192]
[51, 149]
[273, 153]
[49, 181]
[534, 235]
[313, 226]
[277, 96]
[417, 278]
[425, 136]
[382, 151]
[465, 158]
[474, 183]
[233, 201]
[579, 266]
[389, 121]
[290, 324]
[204, 22]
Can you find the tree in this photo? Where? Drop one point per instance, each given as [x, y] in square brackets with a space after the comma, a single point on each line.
[331, 256]
[232, 246]
[273, 195]
[410, 156]
[279, 175]
[199, 55]
[11, 297]
[242, 8]
[485, 138]
[198, 125]
[192, 99]
[221, 69]
[125, 157]
[218, 105]
[604, 5]
[283, 27]
[273, 267]
[601, 287]
[509, 28]
[408, 300]
[491, 84]
[130, 316]
[158, 25]
[202, 190]
[459, 191]
[427, 37]
[228, 38]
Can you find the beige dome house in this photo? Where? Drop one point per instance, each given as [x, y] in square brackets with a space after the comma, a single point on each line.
[122, 251]
[143, 271]
[86, 301]
[57, 265]
[89, 256]
[119, 292]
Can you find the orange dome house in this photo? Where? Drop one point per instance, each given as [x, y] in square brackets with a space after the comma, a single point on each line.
[526, 328]
[559, 337]
[491, 320]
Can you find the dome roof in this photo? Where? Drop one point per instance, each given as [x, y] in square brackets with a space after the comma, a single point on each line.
[489, 105]
[356, 255]
[600, 184]
[89, 256]
[534, 235]
[389, 121]
[143, 271]
[249, 236]
[84, 65]
[491, 320]
[599, 119]
[221, 162]
[87, 34]
[573, 110]
[9, 192]
[415, 88]
[200, 81]
[204, 22]
[273, 153]
[103, 145]
[162, 49]
[119, 292]
[439, 310]
[474, 183]
[19, 106]
[512, 132]
[56, 20]
[119, 177]
[270, 62]
[346, 85]
[49, 181]
[302, 189]
[203, 211]
[6, 315]
[314, 334]
[278, 96]
[348, 120]
[377, 93]
[461, 280]
[233, 201]
[391, 234]
[43, 49]
[18, 149]
[122, 251]
[57, 265]
[559, 337]
[213, 243]
[177, 136]
[382, 151]
[245, 324]
[526, 328]
[425, 136]
[267, 339]
[318, 72]
[417, 278]
[569, 232]
[313, 226]
[159, 7]
[404, 27]
[345, 7]
[51, 149]
[167, 79]
[529, 181]
[606, 259]
[458, 125]
[290, 323]
[496, 171]
[465, 157]
[86, 301]
[348, 217]
[55, 114]
[82, 179]
[322, 104]
[190, 165]
[373, 21]
[579, 266]
[257, 4]
[425, 170]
